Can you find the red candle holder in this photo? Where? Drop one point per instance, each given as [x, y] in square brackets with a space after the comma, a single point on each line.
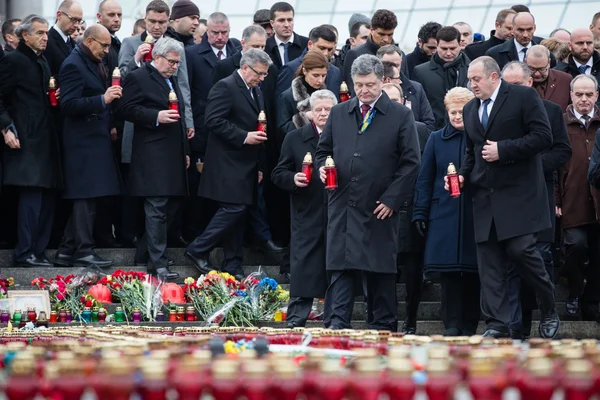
[307, 167]
[225, 383]
[441, 382]
[537, 382]
[398, 381]
[173, 101]
[344, 92]
[330, 174]
[52, 92]
[261, 124]
[116, 77]
[149, 40]
[578, 383]
[453, 181]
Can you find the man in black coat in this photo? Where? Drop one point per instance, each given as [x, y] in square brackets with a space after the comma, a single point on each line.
[425, 48]
[160, 146]
[507, 130]
[503, 32]
[90, 165]
[308, 199]
[8, 34]
[110, 15]
[60, 45]
[516, 49]
[446, 70]
[285, 45]
[231, 169]
[374, 145]
[521, 297]
[31, 157]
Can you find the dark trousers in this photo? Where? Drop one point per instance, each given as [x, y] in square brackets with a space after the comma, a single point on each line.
[107, 216]
[131, 216]
[460, 301]
[160, 214]
[257, 216]
[380, 289]
[298, 310]
[583, 243]
[226, 228]
[197, 211]
[494, 258]
[35, 218]
[78, 239]
[413, 271]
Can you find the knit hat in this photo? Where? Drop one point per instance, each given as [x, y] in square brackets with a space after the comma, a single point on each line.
[184, 8]
[356, 18]
[262, 17]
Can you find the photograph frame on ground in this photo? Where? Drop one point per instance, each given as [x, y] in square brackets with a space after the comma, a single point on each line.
[23, 299]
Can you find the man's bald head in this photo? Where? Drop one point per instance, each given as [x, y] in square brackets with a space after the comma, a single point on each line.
[110, 14]
[70, 5]
[538, 51]
[97, 32]
[98, 40]
[69, 16]
[582, 44]
[523, 28]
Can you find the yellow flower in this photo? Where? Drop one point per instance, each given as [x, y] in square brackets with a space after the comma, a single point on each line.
[189, 280]
[226, 276]
[109, 278]
[230, 347]
[11, 281]
[213, 272]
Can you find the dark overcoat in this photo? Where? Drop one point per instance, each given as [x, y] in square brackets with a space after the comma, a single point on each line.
[159, 150]
[379, 165]
[90, 164]
[231, 167]
[450, 242]
[308, 208]
[511, 192]
[24, 102]
[57, 51]
[507, 52]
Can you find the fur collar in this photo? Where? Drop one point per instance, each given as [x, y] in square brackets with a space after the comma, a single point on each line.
[302, 99]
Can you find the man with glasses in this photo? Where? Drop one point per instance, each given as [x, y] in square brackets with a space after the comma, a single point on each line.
[160, 148]
[60, 44]
[234, 161]
[89, 163]
[551, 85]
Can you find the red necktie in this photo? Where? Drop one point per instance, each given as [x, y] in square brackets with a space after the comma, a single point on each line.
[364, 109]
[220, 55]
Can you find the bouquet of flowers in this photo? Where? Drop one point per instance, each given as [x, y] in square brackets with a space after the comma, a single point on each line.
[135, 290]
[265, 297]
[68, 292]
[4, 285]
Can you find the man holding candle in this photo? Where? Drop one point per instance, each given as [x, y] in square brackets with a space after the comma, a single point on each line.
[309, 210]
[31, 156]
[374, 145]
[160, 147]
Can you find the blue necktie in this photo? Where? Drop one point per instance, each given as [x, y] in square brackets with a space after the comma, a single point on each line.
[485, 116]
[286, 57]
[524, 51]
[169, 83]
[583, 68]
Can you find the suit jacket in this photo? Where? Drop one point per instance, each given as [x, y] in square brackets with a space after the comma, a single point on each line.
[510, 193]
[571, 68]
[380, 164]
[507, 52]
[294, 51]
[158, 154]
[56, 51]
[287, 73]
[201, 61]
[558, 89]
[90, 165]
[231, 167]
[475, 50]
[416, 99]
[111, 60]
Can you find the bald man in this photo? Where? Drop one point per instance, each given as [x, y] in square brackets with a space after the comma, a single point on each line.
[516, 49]
[110, 15]
[583, 59]
[551, 85]
[89, 163]
[60, 45]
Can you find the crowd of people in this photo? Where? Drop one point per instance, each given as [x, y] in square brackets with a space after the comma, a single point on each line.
[183, 136]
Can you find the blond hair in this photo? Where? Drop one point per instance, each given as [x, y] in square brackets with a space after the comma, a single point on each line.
[458, 95]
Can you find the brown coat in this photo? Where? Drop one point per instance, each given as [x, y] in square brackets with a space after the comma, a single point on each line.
[578, 200]
[557, 89]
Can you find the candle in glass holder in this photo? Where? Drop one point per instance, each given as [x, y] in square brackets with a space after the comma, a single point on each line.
[441, 380]
[136, 316]
[172, 315]
[453, 181]
[160, 316]
[154, 386]
[190, 379]
[190, 314]
[307, 167]
[53, 317]
[344, 92]
[224, 384]
[69, 316]
[119, 315]
[42, 320]
[331, 384]
[486, 379]
[4, 317]
[62, 315]
[31, 314]
[286, 383]
[538, 381]
[180, 316]
[70, 383]
[52, 92]
[16, 319]
[95, 311]
[399, 383]
[102, 315]
[330, 174]
[256, 382]
[86, 315]
[173, 101]
[116, 77]
[149, 40]
[22, 384]
[261, 124]
[114, 380]
[578, 383]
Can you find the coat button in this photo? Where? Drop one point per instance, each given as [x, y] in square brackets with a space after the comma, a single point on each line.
[353, 179]
[587, 140]
[491, 190]
[356, 154]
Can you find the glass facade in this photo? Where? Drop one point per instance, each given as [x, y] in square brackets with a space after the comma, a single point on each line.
[549, 14]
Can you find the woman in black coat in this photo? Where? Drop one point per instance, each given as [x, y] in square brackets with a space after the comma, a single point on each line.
[447, 223]
[294, 107]
[308, 211]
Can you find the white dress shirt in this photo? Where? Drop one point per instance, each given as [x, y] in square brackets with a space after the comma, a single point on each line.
[491, 104]
[61, 33]
[223, 50]
[580, 116]
[589, 63]
[360, 103]
[520, 48]
[281, 49]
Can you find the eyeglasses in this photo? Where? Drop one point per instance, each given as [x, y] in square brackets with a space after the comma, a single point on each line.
[72, 19]
[540, 70]
[104, 45]
[263, 74]
[172, 63]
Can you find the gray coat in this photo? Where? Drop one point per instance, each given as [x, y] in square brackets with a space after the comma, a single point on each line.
[126, 64]
[380, 164]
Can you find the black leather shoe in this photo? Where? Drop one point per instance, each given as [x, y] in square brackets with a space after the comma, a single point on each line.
[285, 277]
[165, 274]
[178, 242]
[572, 306]
[93, 260]
[270, 246]
[239, 277]
[170, 263]
[290, 325]
[426, 279]
[516, 334]
[452, 332]
[63, 260]
[495, 334]
[549, 325]
[33, 262]
[409, 329]
[201, 262]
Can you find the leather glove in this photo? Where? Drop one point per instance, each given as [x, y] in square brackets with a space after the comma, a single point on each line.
[421, 227]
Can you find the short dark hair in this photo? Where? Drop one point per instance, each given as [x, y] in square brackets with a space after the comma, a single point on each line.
[203, 21]
[388, 69]
[503, 14]
[520, 8]
[322, 32]
[384, 19]
[281, 6]
[595, 18]
[8, 27]
[448, 34]
[333, 29]
[140, 23]
[158, 6]
[355, 30]
[429, 31]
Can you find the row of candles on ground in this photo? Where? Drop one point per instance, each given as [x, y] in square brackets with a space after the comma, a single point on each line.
[118, 373]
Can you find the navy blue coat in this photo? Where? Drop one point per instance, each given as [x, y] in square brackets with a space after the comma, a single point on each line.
[450, 242]
[287, 73]
[90, 164]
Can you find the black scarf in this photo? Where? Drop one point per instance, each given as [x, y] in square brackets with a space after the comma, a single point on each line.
[450, 69]
[88, 53]
[309, 89]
